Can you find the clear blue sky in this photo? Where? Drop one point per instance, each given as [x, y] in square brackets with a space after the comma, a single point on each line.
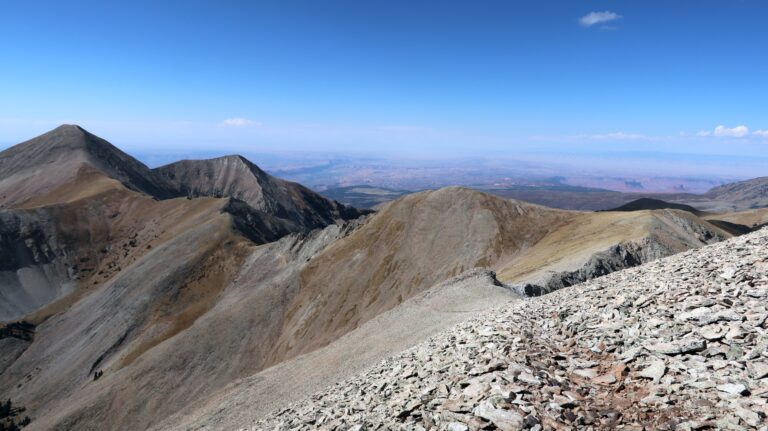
[399, 76]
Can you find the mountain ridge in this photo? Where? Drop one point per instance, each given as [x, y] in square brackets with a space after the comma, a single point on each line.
[239, 274]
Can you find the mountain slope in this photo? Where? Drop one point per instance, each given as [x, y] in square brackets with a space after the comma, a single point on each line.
[236, 177]
[676, 344]
[40, 168]
[744, 194]
[418, 318]
[595, 244]
[77, 203]
[408, 246]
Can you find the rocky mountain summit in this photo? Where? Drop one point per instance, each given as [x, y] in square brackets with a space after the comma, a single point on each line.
[237, 177]
[679, 343]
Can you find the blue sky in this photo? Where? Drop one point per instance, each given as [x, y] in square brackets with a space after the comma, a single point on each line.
[398, 77]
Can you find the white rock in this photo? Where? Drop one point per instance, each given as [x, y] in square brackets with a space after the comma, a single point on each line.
[733, 388]
[505, 420]
[457, 426]
[654, 371]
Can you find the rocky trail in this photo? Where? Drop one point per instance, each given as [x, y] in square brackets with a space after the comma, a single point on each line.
[679, 343]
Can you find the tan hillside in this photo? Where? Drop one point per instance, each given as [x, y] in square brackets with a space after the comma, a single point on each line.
[572, 245]
[408, 246]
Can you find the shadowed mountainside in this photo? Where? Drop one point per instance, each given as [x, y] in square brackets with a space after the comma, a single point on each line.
[236, 177]
[655, 204]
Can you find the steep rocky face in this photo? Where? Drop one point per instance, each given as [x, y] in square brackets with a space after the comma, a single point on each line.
[182, 322]
[234, 176]
[35, 266]
[624, 255]
[676, 344]
[49, 161]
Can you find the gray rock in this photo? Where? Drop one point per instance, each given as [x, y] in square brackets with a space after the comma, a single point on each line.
[505, 420]
[678, 347]
[654, 371]
[758, 370]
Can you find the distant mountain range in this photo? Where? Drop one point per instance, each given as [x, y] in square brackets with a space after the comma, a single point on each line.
[740, 196]
[136, 298]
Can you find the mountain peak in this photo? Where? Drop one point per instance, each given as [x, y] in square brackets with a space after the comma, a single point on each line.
[237, 177]
[69, 127]
[61, 153]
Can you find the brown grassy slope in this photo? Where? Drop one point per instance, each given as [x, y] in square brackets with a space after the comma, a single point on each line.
[410, 245]
[572, 244]
[749, 218]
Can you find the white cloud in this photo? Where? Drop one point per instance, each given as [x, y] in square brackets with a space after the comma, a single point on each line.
[239, 122]
[703, 133]
[735, 132]
[761, 133]
[593, 18]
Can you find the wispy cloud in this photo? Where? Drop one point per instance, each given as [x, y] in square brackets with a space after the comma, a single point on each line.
[593, 18]
[239, 122]
[761, 133]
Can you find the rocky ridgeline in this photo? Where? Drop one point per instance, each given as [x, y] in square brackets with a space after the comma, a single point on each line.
[680, 343]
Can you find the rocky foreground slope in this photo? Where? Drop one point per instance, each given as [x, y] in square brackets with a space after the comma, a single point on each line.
[678, 343]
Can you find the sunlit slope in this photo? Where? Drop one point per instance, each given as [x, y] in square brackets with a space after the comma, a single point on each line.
[572, 244]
